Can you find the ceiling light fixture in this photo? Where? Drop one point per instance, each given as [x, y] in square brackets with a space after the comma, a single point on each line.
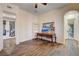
[36, 5]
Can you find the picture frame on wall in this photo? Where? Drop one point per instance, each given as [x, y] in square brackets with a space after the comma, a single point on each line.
[48, 27]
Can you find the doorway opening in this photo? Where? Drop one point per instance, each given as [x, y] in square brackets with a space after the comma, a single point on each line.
[71, 29]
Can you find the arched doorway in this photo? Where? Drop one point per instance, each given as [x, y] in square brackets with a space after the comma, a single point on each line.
[71, 25]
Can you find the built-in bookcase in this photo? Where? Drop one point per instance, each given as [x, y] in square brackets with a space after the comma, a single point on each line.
[35, 29]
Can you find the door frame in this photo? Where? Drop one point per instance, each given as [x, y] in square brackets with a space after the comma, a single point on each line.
[66, 17]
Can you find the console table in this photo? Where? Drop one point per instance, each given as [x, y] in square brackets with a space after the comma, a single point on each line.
[47, 35]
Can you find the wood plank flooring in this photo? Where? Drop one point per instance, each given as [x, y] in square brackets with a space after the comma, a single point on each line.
[42, 48]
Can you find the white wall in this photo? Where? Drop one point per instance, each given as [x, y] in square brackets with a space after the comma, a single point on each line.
[54, 16]
[24, 23]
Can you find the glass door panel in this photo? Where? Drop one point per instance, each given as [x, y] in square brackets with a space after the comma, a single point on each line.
[8, 29]
[12, 28]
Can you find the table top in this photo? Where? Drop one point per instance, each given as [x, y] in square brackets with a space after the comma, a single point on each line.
[45, 33]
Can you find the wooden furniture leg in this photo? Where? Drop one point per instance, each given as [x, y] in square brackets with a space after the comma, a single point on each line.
[55, 38]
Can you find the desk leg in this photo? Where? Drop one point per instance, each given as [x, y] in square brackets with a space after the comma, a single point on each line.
[52, 40]
[37, 37]
[55, 39]
[52, 43]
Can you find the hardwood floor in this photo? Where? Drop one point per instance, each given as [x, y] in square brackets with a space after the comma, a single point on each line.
[43, 48]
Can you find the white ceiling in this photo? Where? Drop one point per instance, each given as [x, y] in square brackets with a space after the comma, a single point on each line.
[41, 8]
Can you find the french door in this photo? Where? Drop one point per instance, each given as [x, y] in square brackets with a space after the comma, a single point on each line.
[8, 29]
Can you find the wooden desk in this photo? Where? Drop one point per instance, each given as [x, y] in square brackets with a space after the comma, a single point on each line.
[47, 35]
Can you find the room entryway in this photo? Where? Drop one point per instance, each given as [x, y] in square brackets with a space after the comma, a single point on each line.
[8, 36]
[71, 27]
